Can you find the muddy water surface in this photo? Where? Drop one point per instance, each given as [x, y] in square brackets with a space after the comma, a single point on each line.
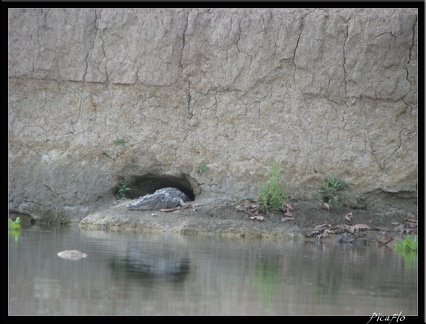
[171, 274]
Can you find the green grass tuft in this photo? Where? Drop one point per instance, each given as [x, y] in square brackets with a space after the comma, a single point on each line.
[272, 194]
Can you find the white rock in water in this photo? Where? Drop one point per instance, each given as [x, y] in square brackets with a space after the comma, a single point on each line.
[72, 255]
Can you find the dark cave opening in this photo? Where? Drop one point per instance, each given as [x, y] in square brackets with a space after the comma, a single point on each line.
[148, 183]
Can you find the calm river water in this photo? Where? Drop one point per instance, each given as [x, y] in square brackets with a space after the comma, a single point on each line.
[171, 274]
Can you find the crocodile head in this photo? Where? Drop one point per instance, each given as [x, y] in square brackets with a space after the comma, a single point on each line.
[154, 201]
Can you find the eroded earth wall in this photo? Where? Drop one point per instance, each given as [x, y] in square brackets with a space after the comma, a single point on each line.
[98, 96]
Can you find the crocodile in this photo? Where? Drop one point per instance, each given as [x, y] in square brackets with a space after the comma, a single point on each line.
[161, 199]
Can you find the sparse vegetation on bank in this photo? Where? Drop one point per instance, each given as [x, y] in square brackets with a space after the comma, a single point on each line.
[407, 248]
[121, 191]
[201, 168]
[407, 245]
[272, 194]
[334, 192]
[119, 140]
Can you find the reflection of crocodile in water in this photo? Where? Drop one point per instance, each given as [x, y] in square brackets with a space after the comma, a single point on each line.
[149, 264]
[159, 264]
[160, 199]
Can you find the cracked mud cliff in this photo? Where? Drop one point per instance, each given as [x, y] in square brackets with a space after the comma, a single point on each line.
[101, 98]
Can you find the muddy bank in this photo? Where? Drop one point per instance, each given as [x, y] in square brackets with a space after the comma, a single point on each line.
[222, 218]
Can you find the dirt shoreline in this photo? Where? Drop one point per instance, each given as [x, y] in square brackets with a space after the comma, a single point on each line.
[221, 218]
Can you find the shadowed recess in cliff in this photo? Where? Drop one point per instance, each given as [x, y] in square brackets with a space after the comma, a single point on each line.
[148, 183]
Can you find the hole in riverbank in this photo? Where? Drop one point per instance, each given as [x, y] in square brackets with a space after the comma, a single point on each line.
[148, 183]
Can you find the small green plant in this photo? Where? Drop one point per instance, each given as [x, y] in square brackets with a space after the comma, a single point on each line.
[201, 168]
[334, 191]
[119, 140]
[272, 194]
[407, 248]
[409, 244]
[121, 191]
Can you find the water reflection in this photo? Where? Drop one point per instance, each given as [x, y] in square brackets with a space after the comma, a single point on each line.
[170, 274]
[268, 276]
[147, 265]
[15, 234]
